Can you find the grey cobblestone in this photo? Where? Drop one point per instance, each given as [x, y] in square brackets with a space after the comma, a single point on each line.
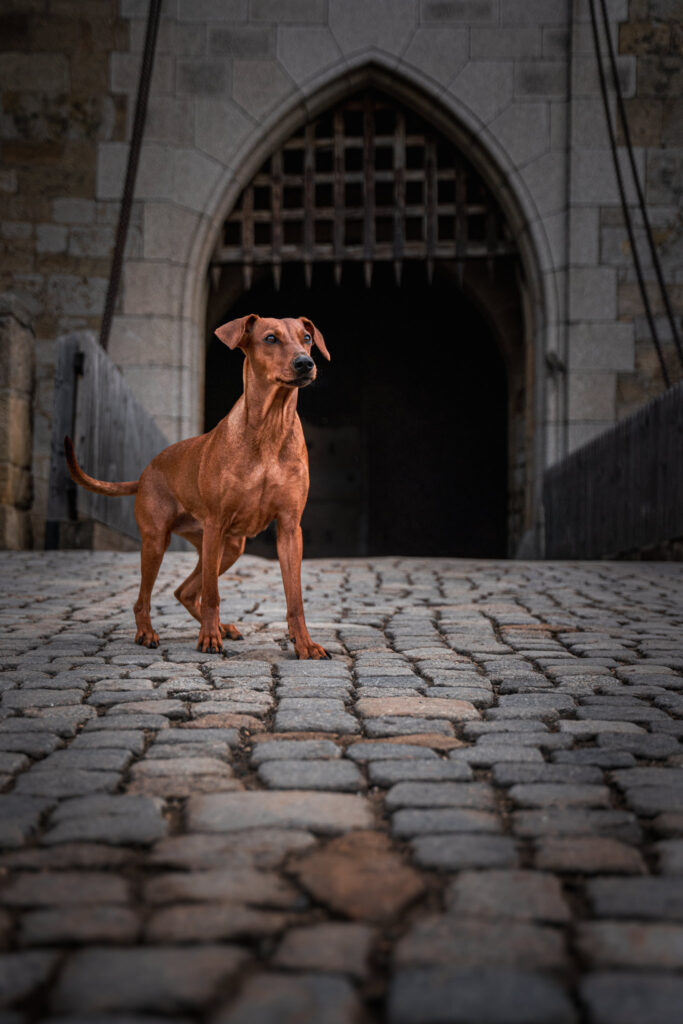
[493, 754]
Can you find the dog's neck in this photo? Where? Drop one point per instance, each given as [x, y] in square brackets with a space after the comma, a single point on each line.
[267, 407]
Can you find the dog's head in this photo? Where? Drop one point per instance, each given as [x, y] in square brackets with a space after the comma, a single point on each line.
[278, 350]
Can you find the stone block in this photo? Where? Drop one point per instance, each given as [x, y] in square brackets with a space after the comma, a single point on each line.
[111, 169]
[154, 979]
[546, 179]
[73, 211]
[16, 357]
[589, 855]
[15, 428]
[21, 72]
[533, 12]
[592, 396]
[485, 87]
[438, 52]
[150, 341]
[453, 995]
[220, 128]
[283, 12]
[201, 78]
[441, 12]
[304, 52]
[592, 294]
[92, 241]
[441, 941]
[21, 974]
[358, 24]
[335, 946]
[212, 10]
[601, 347]
[523, 130]
[540, 78]
[170, 120]
[505, 44]
[456, 852]
[63, 888]
[594, 178]
[636, 898]
[51, 238]
[300, 997]
[618, 997]
[331, 776]
[328, 814]
[408, 823]
[259, 85]
[360, 876]
[124, 73]
[517, 894]
[83, 925]
[195, 178]
[151, 288]
[243, 42]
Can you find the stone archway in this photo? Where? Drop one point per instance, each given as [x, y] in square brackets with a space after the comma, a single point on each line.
[511, 294]
[370, 191]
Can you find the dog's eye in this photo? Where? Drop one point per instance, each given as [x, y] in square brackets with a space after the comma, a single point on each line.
[270, 339]
[307, 339]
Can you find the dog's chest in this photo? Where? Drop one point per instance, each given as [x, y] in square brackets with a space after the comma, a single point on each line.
[261, 492]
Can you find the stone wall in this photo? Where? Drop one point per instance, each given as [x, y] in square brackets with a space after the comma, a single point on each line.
[653, 35]
[16, 415]
[233, 78]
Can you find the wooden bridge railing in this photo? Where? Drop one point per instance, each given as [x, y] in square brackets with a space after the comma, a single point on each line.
[622, 493]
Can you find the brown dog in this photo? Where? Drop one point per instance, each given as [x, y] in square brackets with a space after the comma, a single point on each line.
[218, 489]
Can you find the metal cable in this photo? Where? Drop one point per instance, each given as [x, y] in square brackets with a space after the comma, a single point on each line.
[146, 67]
[639, 190]
[622, 196]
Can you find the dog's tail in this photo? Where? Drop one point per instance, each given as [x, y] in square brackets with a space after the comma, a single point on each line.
[89, 482]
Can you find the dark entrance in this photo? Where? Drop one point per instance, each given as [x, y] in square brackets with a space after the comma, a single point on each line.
[406, 427]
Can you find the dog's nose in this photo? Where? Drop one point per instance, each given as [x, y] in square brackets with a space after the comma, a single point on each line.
[303, 364]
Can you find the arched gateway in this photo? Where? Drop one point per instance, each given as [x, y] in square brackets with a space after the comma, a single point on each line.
[372, 221]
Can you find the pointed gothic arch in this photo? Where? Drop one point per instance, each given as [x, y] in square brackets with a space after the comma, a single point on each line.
[511, 232]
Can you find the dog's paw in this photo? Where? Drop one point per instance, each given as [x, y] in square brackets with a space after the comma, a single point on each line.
[209, 642]
[311, 650]
[232, 632]
[147, 638]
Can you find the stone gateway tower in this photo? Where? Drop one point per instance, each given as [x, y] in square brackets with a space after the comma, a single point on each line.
[430, 181]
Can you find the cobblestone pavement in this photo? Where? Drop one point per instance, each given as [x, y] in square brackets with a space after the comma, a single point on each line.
[473, 813]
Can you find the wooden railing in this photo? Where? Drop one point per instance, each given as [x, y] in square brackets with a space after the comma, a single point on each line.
[114, 437]
[621, 494]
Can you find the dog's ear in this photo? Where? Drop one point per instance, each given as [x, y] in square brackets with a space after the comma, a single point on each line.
[316, 335]
[236, 332]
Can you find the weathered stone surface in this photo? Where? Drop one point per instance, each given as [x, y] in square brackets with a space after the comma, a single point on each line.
[423, 995]
[81, 925]
[233, 884]
[22, 973]
[260, 847]
[416, 707]
[328, 775]
[442, 941]
[295, 750]
[525, 895]
[411, 822]
[441, 794]
[591, 855]
[616, 997]
[269, 998]
[328, 814]
[150, 978]
[360, 876]
[341, 947]
[454, 852]
[212, 922]
[64, 888]
[632, 944]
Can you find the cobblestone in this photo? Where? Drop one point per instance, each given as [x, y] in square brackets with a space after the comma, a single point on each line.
[472, 813]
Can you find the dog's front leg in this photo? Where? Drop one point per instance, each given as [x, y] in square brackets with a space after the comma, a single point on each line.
[212, 550]
[289, 552]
